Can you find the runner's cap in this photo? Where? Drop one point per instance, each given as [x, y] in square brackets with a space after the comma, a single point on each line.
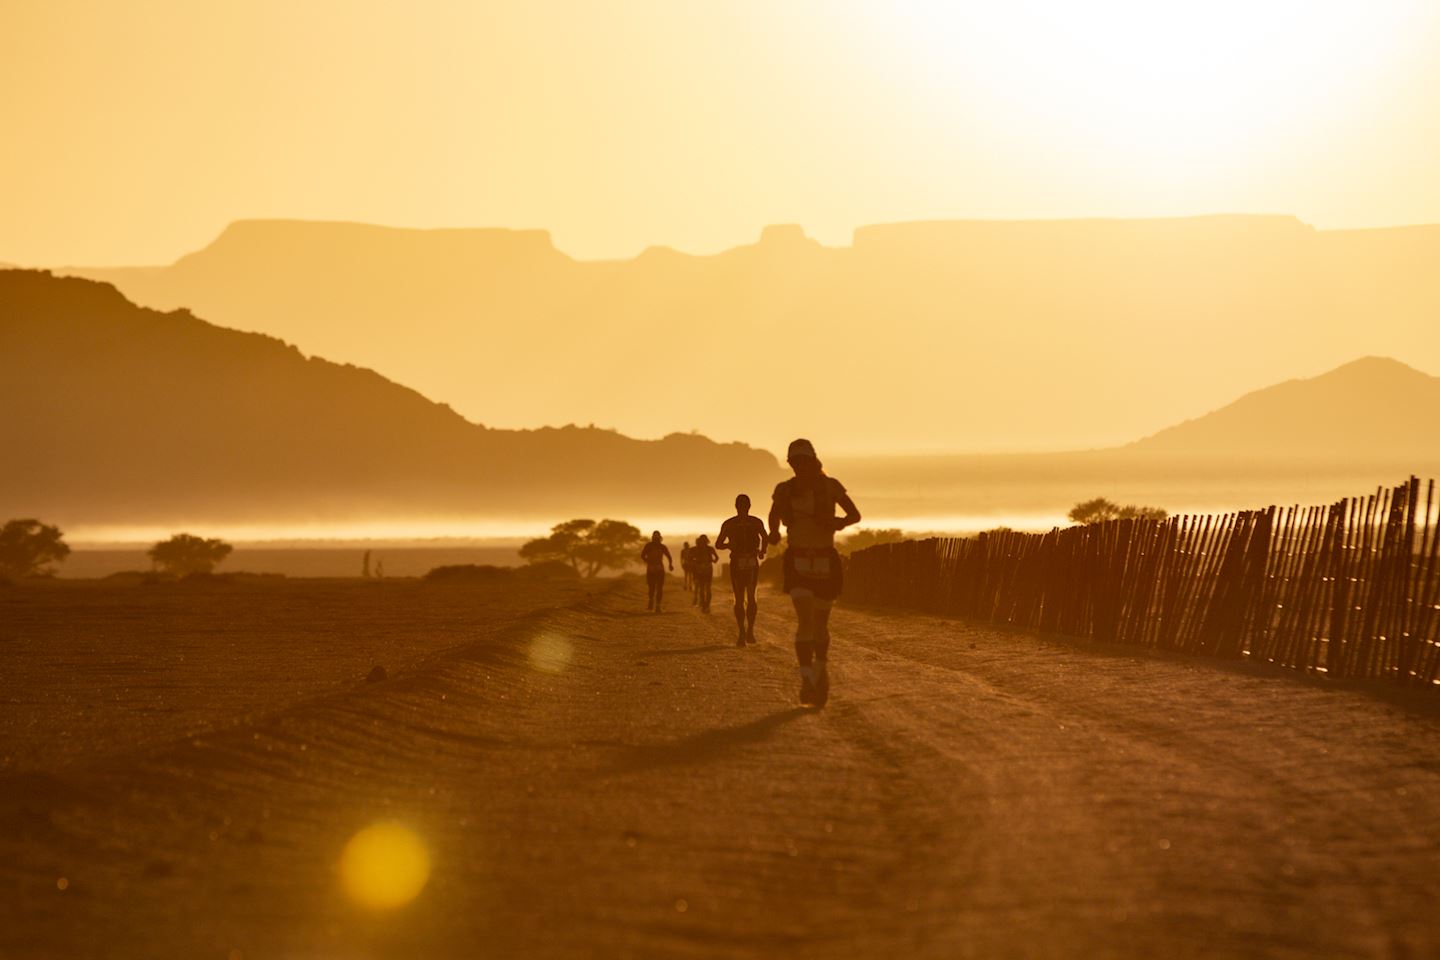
[801, 448]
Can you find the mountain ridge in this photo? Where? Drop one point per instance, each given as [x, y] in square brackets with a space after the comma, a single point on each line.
[130, 414]
[1069, 321]
[1369, 407]
[774, 232]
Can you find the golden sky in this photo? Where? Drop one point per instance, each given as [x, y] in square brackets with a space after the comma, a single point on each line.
[133, 132]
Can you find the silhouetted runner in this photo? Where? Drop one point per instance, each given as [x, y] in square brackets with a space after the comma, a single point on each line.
[656, 555]
[685, 568]
[744, 536]
[806, 504]
[702, 560]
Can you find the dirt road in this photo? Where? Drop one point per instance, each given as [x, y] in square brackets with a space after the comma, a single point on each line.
[593, 780]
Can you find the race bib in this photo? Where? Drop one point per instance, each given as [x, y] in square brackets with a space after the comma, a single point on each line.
[746, 563]
[814, 568]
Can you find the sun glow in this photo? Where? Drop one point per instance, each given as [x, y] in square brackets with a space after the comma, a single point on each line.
[1158, 90]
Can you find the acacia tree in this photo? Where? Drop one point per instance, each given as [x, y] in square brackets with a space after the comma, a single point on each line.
[611, 543]
[27, 547]
[1100, 509]
[869, 537]
[185, 554]
[587, 546]
[565, 538]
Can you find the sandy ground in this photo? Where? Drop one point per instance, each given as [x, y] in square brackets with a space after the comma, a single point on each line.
[593, 780]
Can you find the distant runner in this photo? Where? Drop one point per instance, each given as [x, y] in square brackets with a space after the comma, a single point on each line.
[656, 555]
[806, 504]
[744, 536]
[702, 559]
[685, 568]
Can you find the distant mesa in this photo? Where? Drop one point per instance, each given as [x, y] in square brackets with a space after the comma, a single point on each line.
[129, 415]
[317, 235]
[970, 330]
[784, 234]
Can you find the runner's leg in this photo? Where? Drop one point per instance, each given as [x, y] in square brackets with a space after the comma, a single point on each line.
[822, 628]
[822, 650]
[752, 609]
[737, 586]
[804, 601]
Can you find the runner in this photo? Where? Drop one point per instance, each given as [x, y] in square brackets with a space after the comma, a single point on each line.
[655, 555]
[702, 559]
[744, 536]
[806, 504]
[685, 568]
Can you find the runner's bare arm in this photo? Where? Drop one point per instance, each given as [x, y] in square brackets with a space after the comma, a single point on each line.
[722, 542]
[774, 521]
[667, 557]
[852, 512]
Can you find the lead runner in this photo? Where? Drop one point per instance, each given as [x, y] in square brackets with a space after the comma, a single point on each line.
[806, 504]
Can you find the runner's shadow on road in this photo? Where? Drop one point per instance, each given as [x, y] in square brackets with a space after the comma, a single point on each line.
[702, 747]
[676, 651]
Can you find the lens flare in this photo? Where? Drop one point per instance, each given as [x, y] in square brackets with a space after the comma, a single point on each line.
[384, 866]
[550, 653]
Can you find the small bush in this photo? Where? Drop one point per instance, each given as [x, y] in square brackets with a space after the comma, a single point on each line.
[548, 570]
[185, 554]
[868, 537]
[28, 547]
[131, 577]
[1099, 510]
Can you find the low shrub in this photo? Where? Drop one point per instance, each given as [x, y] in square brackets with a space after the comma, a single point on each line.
[548, 570]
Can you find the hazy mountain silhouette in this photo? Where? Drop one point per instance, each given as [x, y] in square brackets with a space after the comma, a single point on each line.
[116, 413]
[1368, 422]
[1368, 409]
[919, 336]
